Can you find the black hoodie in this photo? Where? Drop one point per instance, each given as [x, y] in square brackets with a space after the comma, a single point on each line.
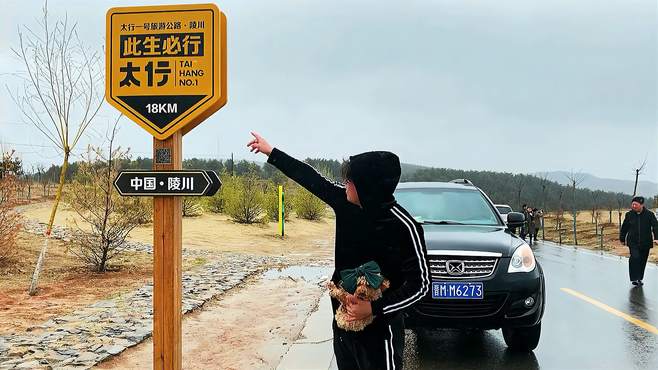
[380, 230]
[637, 228]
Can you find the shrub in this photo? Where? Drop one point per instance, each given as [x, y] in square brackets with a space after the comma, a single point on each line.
[245, 199]
[272, 202]
[308, 206]
[191, 207]
[9, 220]
[217, 203]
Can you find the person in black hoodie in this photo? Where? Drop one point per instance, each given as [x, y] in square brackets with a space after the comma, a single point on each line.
[370, 226]
[636, 233]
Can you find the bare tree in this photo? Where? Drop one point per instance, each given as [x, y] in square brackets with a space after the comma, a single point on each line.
[109, 217]
[597, 217]
[595, 204]
[610, 205]
[620, 206]
[519, 184]
[61, 94]
[544, 182]
[560, 211]
[42, 179]
[575, 179]
[638, 171]
[29, 178]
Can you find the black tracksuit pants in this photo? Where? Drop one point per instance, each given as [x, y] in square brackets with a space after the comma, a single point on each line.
[637, 262]
[371, 350]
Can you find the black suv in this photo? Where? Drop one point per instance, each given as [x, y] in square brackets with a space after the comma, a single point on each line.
[482, 275]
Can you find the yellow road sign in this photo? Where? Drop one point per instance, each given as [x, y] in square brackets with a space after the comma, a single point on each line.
[166, 65]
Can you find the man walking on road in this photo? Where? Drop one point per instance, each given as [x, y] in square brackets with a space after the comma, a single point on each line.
[639, 232]
[370, 226]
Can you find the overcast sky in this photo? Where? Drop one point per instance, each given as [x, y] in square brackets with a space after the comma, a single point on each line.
[518, 85]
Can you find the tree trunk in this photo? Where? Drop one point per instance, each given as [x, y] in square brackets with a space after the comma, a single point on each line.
[102, 266]
[575, 215]
[49, 228]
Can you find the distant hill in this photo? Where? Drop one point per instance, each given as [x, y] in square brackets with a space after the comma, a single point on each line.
[518, 189]
[645, 188]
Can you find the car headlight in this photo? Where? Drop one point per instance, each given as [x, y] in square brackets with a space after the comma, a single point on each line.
[523, 260]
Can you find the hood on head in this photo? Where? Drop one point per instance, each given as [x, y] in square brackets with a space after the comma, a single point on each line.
[375, 176]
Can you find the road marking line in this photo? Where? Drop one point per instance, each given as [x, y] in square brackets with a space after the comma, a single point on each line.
[648, 327]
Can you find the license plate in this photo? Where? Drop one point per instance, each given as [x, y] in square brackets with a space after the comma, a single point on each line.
[453, 290]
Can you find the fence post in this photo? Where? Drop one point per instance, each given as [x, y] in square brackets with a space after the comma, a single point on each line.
[282, 212]
[601, 240]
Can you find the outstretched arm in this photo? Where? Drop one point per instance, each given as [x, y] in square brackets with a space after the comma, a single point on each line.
[330, 192]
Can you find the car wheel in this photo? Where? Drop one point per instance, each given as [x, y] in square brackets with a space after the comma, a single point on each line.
[522, 339]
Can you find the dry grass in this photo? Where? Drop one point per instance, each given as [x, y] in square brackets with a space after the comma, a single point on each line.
[216, 232]
[65, 283]
[587, 237]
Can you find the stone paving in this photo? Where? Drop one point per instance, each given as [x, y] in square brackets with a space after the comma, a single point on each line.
[88, 336]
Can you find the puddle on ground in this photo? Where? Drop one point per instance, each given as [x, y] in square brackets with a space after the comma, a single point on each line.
[312, 274]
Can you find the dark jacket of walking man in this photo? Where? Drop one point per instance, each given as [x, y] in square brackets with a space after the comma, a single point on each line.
[370, 226]
[639, 232]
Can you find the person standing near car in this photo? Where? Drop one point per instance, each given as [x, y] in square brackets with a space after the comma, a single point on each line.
[535, 223]
[639, 232]
[539, 216]
[370, 226]
[530, 221]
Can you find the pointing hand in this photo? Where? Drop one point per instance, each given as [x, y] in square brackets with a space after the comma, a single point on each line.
[259, 145]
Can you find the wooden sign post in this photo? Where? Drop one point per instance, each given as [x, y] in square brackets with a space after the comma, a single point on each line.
[167, 264]
[166, 71]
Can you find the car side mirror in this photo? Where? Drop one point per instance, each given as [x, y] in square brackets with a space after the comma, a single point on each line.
[515, 219]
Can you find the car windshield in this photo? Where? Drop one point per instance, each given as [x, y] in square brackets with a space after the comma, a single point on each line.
[503, 210]
[447, 206]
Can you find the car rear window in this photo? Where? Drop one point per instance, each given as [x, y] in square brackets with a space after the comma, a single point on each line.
[504, 210]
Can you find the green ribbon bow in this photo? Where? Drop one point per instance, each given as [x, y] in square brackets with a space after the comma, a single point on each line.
[370, 270]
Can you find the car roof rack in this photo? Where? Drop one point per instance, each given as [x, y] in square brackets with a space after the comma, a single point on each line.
[462, 181]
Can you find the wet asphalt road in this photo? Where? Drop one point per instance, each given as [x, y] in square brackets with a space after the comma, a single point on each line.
[576, 334]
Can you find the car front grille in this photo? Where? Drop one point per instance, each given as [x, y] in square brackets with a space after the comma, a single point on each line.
[465, 308]
[461, 267]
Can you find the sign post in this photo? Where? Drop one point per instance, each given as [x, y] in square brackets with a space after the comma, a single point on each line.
[282, 212]
[176, 183]
[167, 265]
[166, 71]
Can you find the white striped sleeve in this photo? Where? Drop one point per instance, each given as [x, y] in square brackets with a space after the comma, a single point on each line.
[406, 299]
